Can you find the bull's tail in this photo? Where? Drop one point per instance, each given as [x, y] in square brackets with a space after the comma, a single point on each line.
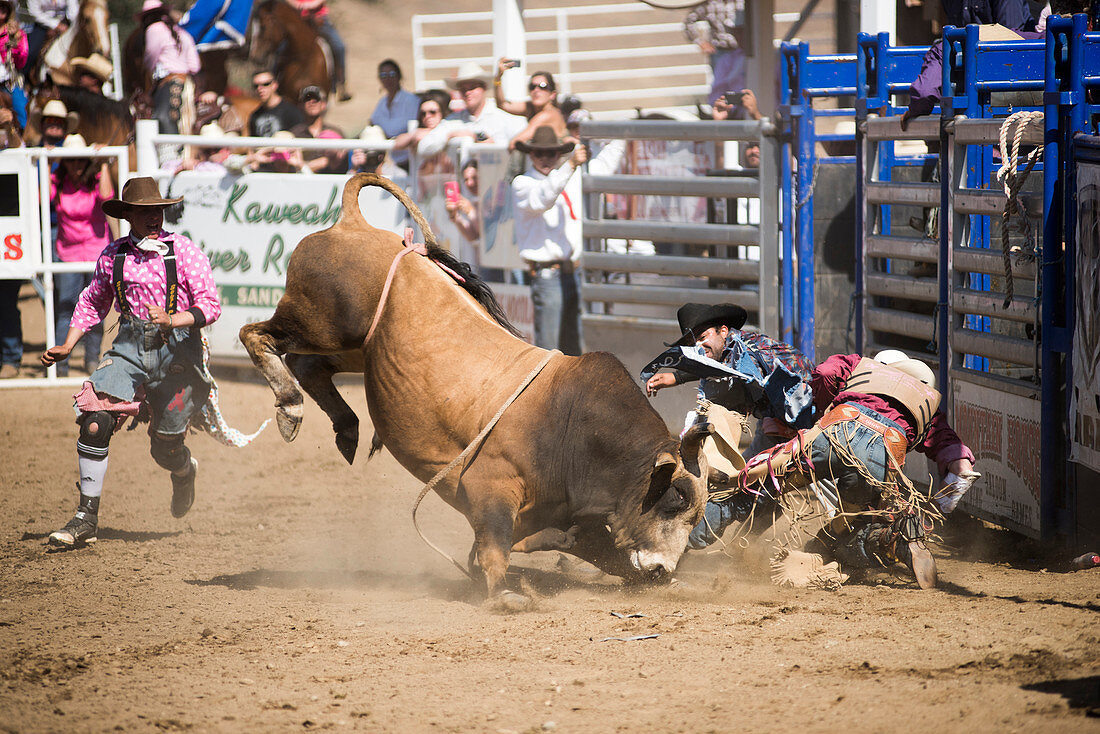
[355, 184]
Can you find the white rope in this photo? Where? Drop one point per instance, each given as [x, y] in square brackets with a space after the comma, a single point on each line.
[1012, 181]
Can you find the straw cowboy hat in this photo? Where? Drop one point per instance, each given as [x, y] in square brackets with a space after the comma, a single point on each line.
[56, 108]
[544, 139]
[469, 71]
[96, 65]
[141, 191]
[695, 318]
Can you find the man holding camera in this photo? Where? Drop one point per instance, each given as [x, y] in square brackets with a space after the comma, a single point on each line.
[548, 231]
[481, 121]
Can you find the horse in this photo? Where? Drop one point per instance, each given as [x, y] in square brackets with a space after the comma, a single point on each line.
[103, 121]
[89, 35]
[301, 56]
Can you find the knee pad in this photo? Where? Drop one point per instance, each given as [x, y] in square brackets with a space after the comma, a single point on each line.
[95, 433]
[169, 452]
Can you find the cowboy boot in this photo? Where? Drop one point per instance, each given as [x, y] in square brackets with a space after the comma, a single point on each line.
[183, 490]
[903, 541]
[720, 514]
[81, 530]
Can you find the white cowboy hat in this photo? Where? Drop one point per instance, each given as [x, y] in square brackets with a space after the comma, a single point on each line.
[916, 368]
[211, 130]
[55, 108]
[95, 64]
[373, 134]
[75, 140]
[469, 71]
[889, 356]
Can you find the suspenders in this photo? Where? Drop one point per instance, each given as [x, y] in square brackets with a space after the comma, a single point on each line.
[170, 277]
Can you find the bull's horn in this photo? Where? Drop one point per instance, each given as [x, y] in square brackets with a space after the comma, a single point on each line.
[664, 458]
[691, 446]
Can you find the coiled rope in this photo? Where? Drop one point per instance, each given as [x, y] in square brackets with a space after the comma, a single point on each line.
[1013, 182]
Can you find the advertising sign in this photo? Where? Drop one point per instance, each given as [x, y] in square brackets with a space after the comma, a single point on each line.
[249, 225]
[20, 244]
[1084, 424]
[1002, 429]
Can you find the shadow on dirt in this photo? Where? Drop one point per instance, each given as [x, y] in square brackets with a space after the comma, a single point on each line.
[966, 538]
[1080, 693]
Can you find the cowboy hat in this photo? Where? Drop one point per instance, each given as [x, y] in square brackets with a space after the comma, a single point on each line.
[141, 191]
[919, 370]
[151, 5]
[469, 71]
[695, 318]
[75, 140]
[95, 64]
[544, 139]
[55, 108]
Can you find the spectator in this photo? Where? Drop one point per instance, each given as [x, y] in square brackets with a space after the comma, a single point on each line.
[91, 72]
[274, 113]
[77, 190]
[171, 61]
[433, 108]
[718, 28]
[541, 109]
[368, 161]
[573, 123]
[10, 136]
[13, 56]
[314, 103]
[480, 121]
[315, 12]
[396, 109]
[50, 18]
[55, 123]
[463, 209]
[548, 232]
[203, 158]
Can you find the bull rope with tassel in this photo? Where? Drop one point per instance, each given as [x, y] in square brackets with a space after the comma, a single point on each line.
[420, 249]
[1013, 182]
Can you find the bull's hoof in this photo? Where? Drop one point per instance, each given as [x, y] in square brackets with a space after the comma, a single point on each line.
[347, 442]
[289, 418]
[509, 602]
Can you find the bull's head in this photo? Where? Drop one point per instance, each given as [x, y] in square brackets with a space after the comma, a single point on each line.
[647, 532]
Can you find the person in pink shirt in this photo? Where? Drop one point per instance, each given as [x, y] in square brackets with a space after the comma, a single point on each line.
[171, 62]
[163, 288]
[13, 56]
[77, 190]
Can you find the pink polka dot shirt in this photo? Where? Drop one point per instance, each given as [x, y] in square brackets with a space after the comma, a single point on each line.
[143, 276]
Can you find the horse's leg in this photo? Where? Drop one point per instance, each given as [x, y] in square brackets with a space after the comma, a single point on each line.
[314, 373]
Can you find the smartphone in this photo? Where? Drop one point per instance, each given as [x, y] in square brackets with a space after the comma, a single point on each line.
[450, 191]
[733, 98]
[512, 63]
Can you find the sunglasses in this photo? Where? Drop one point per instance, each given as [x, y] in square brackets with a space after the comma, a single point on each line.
[537, 85]
[257, 85]
[544, 154]
[425, 113]
[387, 75]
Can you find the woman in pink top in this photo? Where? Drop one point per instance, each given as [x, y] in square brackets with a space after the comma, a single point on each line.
[77, 189]
[13, 56]
[170, 61]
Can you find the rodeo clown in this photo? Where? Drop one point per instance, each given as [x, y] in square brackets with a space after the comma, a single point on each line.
[157, 359]
[870, 413]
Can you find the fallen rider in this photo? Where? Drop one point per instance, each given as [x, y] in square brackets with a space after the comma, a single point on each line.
[869, 415]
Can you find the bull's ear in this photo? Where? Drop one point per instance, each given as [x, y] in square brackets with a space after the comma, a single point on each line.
[691, 447]
[664, 458]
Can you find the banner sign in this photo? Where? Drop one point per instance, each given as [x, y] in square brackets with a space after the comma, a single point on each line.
[20, 242]
[1084, 424]
[249, 225]
[1002, 429]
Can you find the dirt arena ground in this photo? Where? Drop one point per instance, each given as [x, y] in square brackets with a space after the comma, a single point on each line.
[296, 595]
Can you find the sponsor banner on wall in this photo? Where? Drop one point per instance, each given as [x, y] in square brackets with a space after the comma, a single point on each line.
[1085, 399]
[1002, 429]
[20, 244]
[249, 225]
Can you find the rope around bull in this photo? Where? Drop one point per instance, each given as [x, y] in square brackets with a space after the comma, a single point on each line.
[1013, 182]
[420, 249]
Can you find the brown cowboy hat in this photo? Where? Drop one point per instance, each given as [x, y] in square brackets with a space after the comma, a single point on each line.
[544, 139]
[95, 64]
[141, 191]
[695, 318]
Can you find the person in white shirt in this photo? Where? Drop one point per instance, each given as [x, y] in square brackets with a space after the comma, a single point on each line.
[396, 109]
[481, 121]
[50, 18]
[548, 213]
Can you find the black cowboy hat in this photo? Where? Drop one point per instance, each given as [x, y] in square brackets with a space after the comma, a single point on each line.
[695, 318]
[544, 139]
[141, 191]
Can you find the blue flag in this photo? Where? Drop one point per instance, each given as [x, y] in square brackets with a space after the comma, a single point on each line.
[218, 24]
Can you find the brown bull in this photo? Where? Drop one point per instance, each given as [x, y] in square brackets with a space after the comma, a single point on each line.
[579, 462]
